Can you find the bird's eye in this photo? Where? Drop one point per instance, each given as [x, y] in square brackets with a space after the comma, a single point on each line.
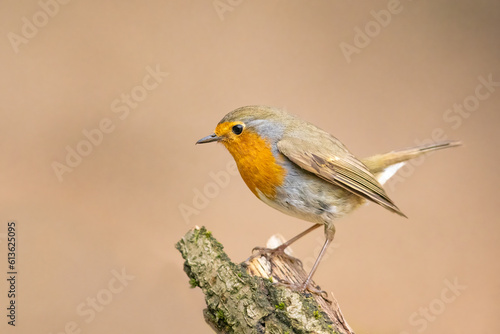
[237, 129]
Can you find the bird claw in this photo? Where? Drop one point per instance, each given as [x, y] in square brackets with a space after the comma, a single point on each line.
[269, 253]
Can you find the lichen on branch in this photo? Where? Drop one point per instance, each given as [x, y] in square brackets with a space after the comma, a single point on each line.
[238, 302]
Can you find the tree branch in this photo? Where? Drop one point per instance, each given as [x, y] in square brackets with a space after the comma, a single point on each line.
[243, 300]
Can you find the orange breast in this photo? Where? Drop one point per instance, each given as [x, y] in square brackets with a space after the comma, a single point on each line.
[256, 163]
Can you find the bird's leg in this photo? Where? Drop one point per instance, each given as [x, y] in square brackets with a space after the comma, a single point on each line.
[280, 250]
[306, 285]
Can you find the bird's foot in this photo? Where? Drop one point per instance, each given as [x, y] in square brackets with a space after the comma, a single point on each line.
[269, 253]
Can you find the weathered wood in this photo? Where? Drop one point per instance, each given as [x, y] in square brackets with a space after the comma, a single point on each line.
[242, 299]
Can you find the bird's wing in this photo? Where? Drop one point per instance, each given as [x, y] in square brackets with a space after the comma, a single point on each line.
[327, 157]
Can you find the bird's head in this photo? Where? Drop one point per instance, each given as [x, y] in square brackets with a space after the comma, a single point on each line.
[250, 126]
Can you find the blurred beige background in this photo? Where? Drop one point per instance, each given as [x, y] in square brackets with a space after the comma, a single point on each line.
[68, 69]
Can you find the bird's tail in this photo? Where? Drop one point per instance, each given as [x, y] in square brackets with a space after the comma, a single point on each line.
[384, 166]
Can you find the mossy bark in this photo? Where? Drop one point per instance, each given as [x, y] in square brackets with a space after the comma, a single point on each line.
[238, 302]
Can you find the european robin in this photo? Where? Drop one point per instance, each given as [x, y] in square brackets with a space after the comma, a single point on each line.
[305, 172]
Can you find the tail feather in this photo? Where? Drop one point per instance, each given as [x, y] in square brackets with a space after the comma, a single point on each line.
[384, 166]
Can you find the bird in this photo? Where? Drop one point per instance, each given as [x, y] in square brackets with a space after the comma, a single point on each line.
[305, 172]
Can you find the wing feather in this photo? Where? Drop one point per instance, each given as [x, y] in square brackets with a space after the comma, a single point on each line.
[326, 157]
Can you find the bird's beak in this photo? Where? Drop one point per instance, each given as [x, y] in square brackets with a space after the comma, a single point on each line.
[208, 139]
